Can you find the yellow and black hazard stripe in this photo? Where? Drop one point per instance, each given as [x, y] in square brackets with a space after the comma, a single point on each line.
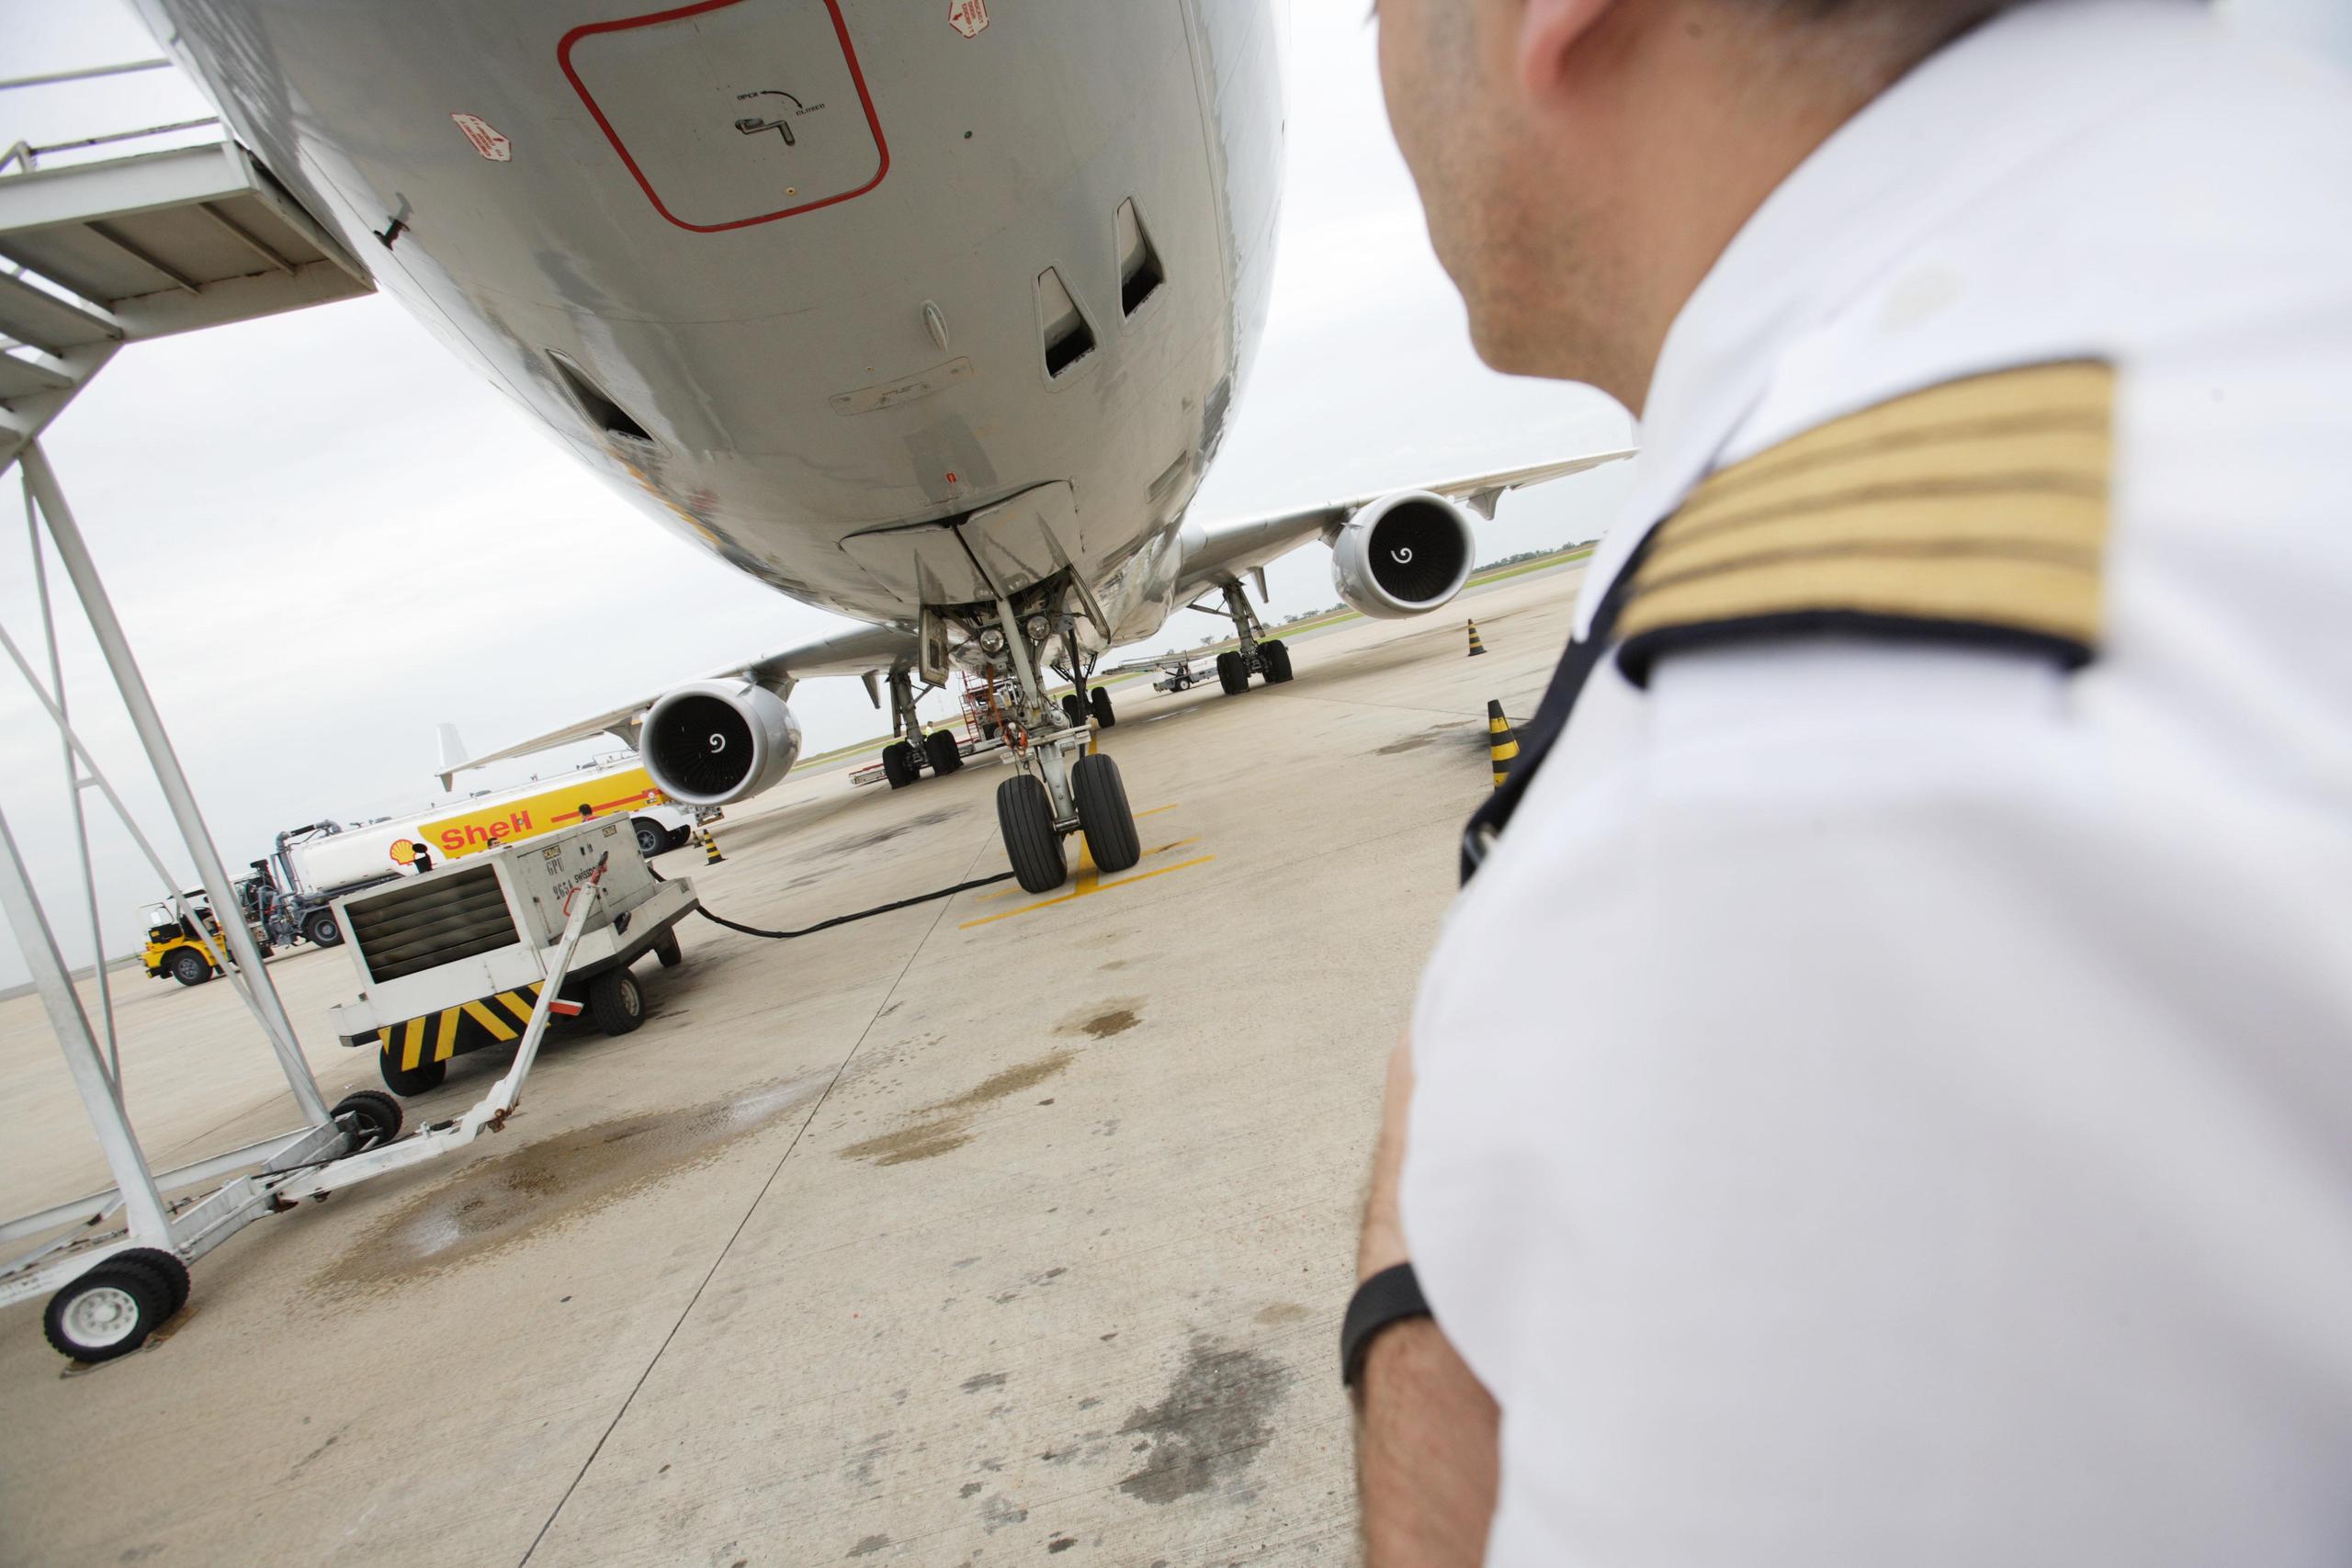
[468, 1026]
[1974, 511]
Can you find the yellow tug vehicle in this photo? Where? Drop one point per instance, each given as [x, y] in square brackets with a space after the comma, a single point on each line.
[186, 947]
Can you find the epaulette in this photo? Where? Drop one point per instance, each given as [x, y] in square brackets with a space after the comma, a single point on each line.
[1973, 510]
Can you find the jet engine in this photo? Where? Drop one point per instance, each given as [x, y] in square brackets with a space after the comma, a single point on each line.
[1403, 554]
[716, 741]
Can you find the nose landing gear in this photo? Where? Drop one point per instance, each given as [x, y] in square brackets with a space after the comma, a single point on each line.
[1061, 789]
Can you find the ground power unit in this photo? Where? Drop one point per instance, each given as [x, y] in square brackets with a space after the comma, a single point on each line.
[453, 960]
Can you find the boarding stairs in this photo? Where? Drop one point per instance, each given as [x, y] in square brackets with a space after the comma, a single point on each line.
[99, 254]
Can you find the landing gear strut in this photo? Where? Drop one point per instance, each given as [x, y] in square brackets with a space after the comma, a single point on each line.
[1258, 654]
[1060, 788]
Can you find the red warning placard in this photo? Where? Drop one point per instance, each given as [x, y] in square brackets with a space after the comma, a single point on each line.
[485, 138]
[968, 16]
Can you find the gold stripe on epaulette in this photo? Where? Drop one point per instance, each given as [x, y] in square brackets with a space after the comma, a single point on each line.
[1980, 505]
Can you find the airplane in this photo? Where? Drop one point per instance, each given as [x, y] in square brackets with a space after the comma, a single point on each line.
[949, 355]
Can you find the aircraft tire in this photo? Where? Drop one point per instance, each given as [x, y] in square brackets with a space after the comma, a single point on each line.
[1025, 815]
[1073, 707]
[899, 764]
[1232, 674]
[941, 748]
[188, 967]
[1099, 701]
[1104, 814]
[615, 1004]
[1277, 657]
[409, 1082]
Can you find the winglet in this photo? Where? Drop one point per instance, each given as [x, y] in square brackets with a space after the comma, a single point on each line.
[453, 755]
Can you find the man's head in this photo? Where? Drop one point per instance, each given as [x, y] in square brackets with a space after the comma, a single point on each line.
[1584, 161]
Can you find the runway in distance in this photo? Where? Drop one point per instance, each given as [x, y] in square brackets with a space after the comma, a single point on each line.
[933, 314]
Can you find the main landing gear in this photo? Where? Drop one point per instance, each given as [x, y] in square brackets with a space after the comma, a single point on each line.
[1061, 789]
[903, 760]
[1257, 653]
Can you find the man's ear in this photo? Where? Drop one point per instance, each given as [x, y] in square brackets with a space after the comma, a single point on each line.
[1549, 32]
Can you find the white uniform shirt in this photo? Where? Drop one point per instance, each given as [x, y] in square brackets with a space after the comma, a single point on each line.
[1891, 1102]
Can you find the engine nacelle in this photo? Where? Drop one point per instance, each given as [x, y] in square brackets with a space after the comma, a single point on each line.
[716, 741]
[1402, 555]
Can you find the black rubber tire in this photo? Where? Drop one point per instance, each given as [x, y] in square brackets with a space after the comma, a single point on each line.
[187, 967]
[1025, 815]
[139, 1290]
[679, 838]
[666, 949]
[409, 1082]
[322, 929]
[1099, 701]
[167, 1266]
[940, 748]
[899, 764]
[1074, 707]
[652, 837]
[1277, 661]
[615, 1004]
[1232, 674]
[378, 1117]
[1104, 815]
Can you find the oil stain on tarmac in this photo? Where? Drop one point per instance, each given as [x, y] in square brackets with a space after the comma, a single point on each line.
[937, 1129]
[550, 1183]
[1463, 730]
[1209, 1426]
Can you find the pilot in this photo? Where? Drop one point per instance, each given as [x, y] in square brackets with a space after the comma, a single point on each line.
[1884, 1094]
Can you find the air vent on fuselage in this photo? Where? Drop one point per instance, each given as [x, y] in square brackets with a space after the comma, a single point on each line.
[1068, 339]
[603, 413]
[1139, 271]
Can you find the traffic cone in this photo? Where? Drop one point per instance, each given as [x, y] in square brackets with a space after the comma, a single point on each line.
[711, 856]
[1502, 746]
[1476, 648]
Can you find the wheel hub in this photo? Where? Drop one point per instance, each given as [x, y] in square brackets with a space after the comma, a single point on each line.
[103, 1316]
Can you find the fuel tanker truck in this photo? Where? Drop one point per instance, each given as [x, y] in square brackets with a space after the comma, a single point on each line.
[291, 892]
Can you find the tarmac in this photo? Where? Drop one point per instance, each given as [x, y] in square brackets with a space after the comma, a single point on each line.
[991, 1230]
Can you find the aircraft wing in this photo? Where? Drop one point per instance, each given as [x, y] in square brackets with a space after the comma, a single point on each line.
[860, 650]
[1222, 552]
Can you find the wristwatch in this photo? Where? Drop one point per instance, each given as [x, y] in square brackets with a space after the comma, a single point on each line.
[1382, 1302]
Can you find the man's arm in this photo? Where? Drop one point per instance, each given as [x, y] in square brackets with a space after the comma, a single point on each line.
[1426, 1429]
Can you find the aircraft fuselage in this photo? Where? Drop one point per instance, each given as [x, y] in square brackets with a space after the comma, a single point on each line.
[773, 266]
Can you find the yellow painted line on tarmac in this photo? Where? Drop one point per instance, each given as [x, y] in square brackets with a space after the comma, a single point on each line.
[1158, 809]
[1086, 866]
[1090, 882]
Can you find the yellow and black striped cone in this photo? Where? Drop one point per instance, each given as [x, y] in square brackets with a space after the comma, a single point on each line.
[1476, 648]
[1502, 746]
[710, 855]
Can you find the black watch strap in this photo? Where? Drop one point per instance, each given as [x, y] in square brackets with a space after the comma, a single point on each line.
[1382, 1302]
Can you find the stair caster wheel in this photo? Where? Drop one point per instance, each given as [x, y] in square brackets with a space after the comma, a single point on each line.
[111, 1310]
[375, 1118]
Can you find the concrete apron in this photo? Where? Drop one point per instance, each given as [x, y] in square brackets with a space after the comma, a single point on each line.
[991, 1228]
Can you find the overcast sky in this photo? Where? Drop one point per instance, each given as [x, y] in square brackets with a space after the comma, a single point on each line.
[326, 535]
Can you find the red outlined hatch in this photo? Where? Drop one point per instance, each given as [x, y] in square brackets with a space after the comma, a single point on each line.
[729, 113]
